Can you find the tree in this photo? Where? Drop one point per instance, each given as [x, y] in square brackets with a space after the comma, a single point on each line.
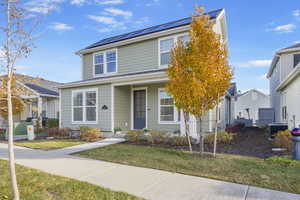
[17, 36]
[199, 72]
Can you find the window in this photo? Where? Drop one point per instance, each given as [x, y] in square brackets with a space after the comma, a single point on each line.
[85, 106]
[167, 110]
[166, 45]
[284, 113]
[296, 59]
[105, 62]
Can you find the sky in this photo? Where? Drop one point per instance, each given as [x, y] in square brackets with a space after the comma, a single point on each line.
[256, 29]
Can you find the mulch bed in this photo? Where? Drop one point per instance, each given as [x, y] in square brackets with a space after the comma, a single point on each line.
[249, 142]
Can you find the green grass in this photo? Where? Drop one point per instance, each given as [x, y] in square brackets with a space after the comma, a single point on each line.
[49, 144]
[226, 167]
[37, 185]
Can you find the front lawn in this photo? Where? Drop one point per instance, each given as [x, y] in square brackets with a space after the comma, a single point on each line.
[226, 167]
[37, 185]
[49, 144]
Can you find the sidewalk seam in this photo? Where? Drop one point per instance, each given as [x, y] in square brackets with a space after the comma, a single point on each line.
[246, 193]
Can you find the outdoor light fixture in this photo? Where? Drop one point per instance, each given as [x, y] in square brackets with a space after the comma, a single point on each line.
[104, 107]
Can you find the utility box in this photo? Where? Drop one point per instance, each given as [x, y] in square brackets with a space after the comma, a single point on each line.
[265, 116]
[30, 132]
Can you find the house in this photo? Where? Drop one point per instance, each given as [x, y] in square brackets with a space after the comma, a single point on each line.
[41, 99]
[284, 76]
[123, 81]
[248, 103]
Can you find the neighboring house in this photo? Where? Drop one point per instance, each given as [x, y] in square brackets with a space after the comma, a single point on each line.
[248, 103]
[284, 76]
[41, 98]
[123, 81]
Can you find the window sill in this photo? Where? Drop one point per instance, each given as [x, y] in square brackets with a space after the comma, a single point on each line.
[106, 74]
[84, 123]
[168, 122]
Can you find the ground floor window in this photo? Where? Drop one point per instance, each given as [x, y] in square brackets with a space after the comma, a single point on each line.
[167, 110]
[84, 105]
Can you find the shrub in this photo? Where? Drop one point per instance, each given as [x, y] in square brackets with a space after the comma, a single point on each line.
[51, 123]
[179, 141]
[58, 132]
[134, 136]
[157, 137]
[283, 140]
[89, 134]
[284, 161]
[222, 138]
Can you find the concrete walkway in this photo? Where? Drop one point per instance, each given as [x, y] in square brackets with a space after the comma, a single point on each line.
[142, 182]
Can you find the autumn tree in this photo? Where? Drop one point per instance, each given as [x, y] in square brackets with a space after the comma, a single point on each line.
[199, 72]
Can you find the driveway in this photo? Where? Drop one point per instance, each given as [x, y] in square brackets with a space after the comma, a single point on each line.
[143, 182]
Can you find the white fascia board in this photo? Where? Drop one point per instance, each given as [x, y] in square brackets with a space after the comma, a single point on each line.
[295, 73]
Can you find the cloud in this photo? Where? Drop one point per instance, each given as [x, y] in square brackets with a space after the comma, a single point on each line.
[152, 3]
[118, 12]
[78, 2]
[297, 41]
[60, 26]
[255, 63]
[103, 19]
[296, 13]
[42, 6]
[286, 28]
[110, 2]
[263, 77]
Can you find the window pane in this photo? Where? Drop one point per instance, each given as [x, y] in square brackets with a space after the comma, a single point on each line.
[99, 69]
[78, 99]
[166, 45]
[111, 56]
[90, 98]
[78, 114]
[184, 38]
[165, 99]
[167, 113]
[296, 59]
[111, 67]
[99, 59]
[165, 58]
[91, 114]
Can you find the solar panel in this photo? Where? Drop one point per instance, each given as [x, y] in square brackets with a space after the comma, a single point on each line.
[174, 24]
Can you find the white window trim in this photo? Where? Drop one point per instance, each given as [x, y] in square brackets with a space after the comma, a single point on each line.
[84, 106]
[175, 39]
[294, 60]
[175, 119]
[105, 73]
[132, 106]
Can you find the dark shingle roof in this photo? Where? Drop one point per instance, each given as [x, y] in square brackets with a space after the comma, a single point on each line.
[41, 90]
[174, 24]
[293, 46]
[232, 89]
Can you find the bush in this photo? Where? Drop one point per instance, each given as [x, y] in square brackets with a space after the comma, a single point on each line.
[157, 137]
[58, 132]
[51, 123]
[283, 140]
[134, 136]
[222, 138]
[89, 134]
[179, 141]
[284, 161]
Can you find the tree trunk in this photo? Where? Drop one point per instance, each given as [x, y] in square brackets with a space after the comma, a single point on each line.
[201, 139]
[187, 130]
[216, 130]
[12, 169]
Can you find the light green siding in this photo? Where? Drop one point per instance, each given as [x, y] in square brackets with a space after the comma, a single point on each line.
[87, 62]
[122, 107]
[104, 116]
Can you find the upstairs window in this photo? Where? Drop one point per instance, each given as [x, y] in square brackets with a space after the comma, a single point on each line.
[105, 62]
[166, 45]
[296, 59]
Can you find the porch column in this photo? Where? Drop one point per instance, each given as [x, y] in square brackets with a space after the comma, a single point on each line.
[39, 109]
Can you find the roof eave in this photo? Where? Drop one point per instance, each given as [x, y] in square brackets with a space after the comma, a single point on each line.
[288, 50]
[294, 74]
[274, 60]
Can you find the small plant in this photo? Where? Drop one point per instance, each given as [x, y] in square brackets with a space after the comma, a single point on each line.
[89, 134]
[222, 138]
[146, 130]
[134, 136]
[157, 137]
[284, 161]
[178, 141]
[51, 123]
[58, 132]
[116, 130]
[283, 140]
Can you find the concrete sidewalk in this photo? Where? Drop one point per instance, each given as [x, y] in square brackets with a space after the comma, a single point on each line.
[142, 182]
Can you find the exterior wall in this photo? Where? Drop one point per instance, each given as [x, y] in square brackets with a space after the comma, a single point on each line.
[292, 103]
[252, 100]
[122, 107]
[52, 107]
[274, 95]
[104, 116]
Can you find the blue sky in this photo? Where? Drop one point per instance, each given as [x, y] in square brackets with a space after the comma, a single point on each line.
[256, 30]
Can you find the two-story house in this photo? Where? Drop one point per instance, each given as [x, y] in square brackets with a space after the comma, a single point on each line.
[123, 80]
[284, 76]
